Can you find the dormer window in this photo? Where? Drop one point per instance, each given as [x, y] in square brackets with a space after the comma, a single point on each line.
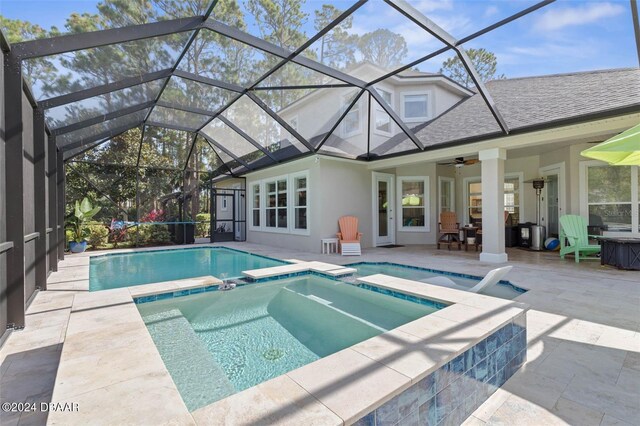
[382, 119]
[415, 106]
[351, 124]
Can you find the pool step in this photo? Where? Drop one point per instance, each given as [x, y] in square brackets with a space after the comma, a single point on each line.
[192, 367]
[320, 267]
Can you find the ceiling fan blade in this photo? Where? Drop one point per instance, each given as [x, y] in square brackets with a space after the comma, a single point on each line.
[446, 164]
[471, 162]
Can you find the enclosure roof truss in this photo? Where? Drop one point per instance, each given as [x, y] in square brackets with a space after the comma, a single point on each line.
[203, 119]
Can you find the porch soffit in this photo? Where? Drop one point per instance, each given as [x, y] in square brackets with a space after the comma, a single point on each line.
[585, 131]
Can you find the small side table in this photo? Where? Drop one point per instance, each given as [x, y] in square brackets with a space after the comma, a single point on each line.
[329, 245]
[470, 229]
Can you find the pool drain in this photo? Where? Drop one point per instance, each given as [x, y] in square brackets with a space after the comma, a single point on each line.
[273, 354]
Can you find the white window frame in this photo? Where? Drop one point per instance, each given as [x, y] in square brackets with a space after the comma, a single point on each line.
[635, 201]
[380, 110]
[403, 96]
[427, 204]
[260, 186]
[293, 207]
[346, 101]
[294, 122]
[520, 177]
[452, 187]
[263, 221]
[290, 228]
[474, 179]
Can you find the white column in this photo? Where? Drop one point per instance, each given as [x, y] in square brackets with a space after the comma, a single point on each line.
[492, 164]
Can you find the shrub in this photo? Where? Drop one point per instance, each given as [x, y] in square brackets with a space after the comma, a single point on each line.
[154, 234]
[202, 229]
[98, 234]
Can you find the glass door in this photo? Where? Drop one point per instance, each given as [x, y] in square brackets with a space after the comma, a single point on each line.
[552, 201]
[551, 214]
[446, 197]
[383, 209]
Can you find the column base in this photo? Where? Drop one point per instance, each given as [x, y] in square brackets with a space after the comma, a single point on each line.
[493, 257]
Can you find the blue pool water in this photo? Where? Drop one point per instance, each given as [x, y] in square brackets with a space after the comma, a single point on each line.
[123, 270]
[503, 290]
[219, 343]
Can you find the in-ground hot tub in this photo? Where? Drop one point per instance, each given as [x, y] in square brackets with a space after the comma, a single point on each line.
[215, 344]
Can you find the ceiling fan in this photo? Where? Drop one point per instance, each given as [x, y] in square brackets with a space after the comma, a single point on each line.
[460, 162]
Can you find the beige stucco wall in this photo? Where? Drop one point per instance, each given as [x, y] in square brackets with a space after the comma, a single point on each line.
[336, 188]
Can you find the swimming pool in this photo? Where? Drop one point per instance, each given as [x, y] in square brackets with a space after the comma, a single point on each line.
[504, 289]
[219, 343]
[128, 269]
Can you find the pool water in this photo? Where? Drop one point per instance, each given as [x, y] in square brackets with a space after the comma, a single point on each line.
[216, 344]
[123, 270]
[502, 290]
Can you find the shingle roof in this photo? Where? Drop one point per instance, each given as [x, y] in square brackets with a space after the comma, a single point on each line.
[531, 101]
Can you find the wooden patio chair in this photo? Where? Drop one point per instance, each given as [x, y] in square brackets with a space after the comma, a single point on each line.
[449, 229]
[349, 237]
[573, 230]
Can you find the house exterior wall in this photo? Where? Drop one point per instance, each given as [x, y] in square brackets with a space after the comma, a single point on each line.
[340, 187]
[336, 188]
[316, 113]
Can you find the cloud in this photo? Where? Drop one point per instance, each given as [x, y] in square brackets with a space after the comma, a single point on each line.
[426, 6]
[557, 19]
[491, 11]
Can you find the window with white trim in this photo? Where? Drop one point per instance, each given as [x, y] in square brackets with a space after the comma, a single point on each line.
[276, 207]
[413, 193]
[351, 123]
[300, 202]
[255, 205]
[512, 197]
[415, 106]
[613, 197]
[381, 118]
[447, 194]
[512, 184]
[281, 204]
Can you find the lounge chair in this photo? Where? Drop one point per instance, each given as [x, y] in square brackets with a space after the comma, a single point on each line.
[492, 278]
[349, 237]
[450, 230]
[574, 231]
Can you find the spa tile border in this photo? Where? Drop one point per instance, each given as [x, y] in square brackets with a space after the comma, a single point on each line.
[403, 296]
[453, 392]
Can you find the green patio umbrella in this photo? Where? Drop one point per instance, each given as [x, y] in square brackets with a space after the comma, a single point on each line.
[620, 150]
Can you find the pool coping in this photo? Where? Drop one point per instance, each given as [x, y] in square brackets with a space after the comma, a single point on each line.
[105, 325]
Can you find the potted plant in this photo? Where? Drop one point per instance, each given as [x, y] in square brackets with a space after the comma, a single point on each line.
[76, 223]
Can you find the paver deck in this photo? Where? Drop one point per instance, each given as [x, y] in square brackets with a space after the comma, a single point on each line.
[583, 361]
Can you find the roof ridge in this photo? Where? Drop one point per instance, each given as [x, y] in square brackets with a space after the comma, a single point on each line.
[601, 71]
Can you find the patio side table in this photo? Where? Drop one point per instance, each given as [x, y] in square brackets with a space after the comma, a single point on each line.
[466, 231]
[329, 245]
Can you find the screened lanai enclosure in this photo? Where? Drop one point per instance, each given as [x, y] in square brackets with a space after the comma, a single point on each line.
[143, 115]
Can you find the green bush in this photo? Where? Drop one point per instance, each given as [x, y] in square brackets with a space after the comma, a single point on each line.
[202, 229]
[98, 234]
[154, 235]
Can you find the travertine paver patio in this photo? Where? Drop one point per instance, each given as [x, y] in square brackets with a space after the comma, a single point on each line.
[583, 363]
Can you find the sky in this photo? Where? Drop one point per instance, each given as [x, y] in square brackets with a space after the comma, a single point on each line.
[566, 36]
